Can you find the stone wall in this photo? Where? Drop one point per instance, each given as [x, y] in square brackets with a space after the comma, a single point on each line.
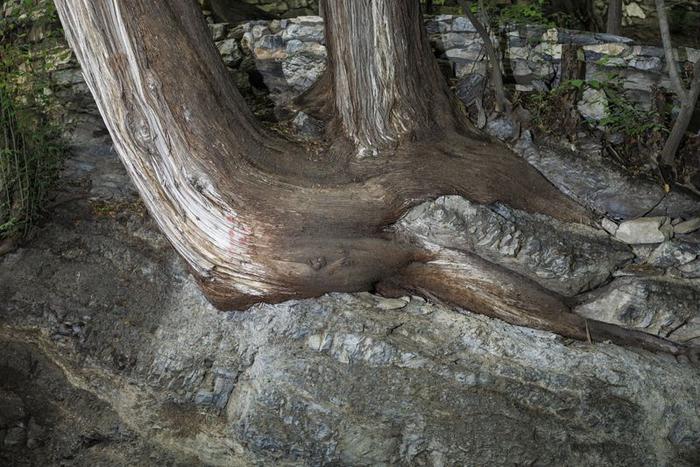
[286, 8]
[291, 56]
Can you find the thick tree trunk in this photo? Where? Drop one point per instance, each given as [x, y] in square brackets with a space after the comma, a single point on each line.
[387, 84]
[260, 219]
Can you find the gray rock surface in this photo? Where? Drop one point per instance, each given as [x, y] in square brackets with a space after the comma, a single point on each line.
[662, 306]
[595, 182]
[679, 258]
[566, 258]
[106, 339]
[686, 227]
[644, 230]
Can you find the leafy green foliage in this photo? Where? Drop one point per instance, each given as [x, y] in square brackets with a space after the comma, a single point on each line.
[526, 13]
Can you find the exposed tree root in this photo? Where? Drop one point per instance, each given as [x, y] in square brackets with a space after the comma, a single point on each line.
[259, 219]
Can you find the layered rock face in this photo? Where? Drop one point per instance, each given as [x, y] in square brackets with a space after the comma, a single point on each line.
[111, 355]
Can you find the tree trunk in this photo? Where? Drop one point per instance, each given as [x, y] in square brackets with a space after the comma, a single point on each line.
[387, 84]
[688, 98]
[258, 218]
[495, 62]
[614, 24]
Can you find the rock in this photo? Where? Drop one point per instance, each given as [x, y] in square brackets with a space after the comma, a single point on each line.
[470, 88]
[503, 128]
[304, 33]
[686, 227]
[656, 305]
[643, 230]
[594, 181]
[218, 30]
[633, 10]
[230, 52]
[462, 24]
[342, 379]
[609, 226]
[566, 258]
[308, 126]
[677, 257]
[301, 71]
[594, 105]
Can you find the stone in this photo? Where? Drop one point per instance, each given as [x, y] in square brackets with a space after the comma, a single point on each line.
[218, 30]
[593, 105]
[642, 230]
[566, 258]
[599, 184]
[633, 10]
[471, 87]
[678, 257]
[312, 48]
[612, 49]
[647, 63]
[230, 52]
[304, 33]
[308, 126]
[686, 227]
[301, 71]
[609, 226]
[462, 24]
[503, 128]
[660, 306]
[451, 40]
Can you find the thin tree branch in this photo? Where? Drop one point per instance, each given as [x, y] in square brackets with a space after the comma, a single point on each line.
[688, 102]
[668, 50]
[496, 74]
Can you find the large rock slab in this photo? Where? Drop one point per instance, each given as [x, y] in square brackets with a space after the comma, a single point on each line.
[565, 258]
[662, 306]
[600, 185]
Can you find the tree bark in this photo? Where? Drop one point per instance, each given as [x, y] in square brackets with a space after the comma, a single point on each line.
[688, 98]
[387, 84]
[494, 60]
[258, 218]
[614, 24]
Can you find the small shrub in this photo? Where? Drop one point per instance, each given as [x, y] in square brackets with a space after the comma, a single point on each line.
[31, 146]
[31, 152]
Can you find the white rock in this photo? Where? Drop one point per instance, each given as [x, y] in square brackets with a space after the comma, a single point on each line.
[644, 230]
[633, 10]
[593, 105]
[686, 227]
[609, 226]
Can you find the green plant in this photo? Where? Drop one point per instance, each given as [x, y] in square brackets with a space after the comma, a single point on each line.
[31, 146]
[31, 151]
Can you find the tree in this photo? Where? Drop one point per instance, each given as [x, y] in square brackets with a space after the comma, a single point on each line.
[259, 218]
[614, 23]
[688, 97]
[502, 104]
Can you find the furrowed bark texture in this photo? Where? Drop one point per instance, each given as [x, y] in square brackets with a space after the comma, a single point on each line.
[259, 219]
[614, 23]
[387, 84]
